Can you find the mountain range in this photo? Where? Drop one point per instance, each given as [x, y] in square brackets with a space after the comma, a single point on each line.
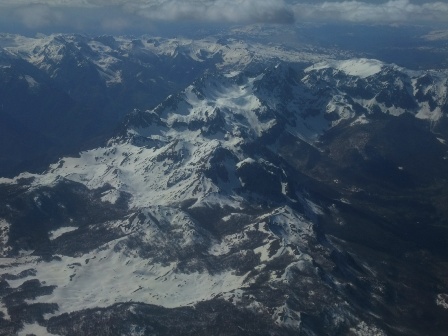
[224, 187]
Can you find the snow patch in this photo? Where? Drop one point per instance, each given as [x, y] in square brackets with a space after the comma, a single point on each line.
[31, 82]
[361, 120]
[317, 210]
[244, 162]
[104, 277]
[59, 232]
[360, 67]
[111, 196]
[425, 112]
[286, 317]
[4, 237]
[362, 329]
[219, 249]
[442, 300]
[232, 74]
[34, 329]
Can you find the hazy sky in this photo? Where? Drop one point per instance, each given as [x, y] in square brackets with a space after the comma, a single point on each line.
[115, 16]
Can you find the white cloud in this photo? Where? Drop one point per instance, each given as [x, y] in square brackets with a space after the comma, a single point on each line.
[116, 24]
[38, 16]
[120, 14]
[394, 11]
[269, 11]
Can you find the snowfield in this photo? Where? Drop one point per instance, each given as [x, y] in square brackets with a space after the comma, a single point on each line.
[104, 277]
[361, 67]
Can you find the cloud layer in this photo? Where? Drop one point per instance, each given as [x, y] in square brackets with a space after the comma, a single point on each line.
[118, 14]
[269, 11]
[395, 11]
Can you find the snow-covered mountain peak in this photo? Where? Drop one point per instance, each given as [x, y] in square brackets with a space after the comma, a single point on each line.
[359, 67]
[215, 104]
